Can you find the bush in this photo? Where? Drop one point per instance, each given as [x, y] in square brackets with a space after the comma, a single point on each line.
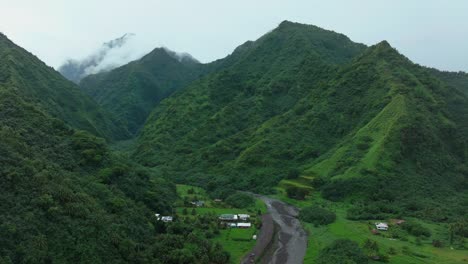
[317, 215]
[437, 243]
[342, 251]
[240, 200]
[293, 174]
[416, 229]
[296, 193]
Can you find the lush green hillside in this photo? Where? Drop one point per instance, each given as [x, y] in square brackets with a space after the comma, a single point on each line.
[32, 80]
[458, 80]
[65, 198]
[130, 92]
[361, 125]
[206, 128]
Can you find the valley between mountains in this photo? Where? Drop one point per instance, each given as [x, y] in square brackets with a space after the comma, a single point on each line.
[355, 154]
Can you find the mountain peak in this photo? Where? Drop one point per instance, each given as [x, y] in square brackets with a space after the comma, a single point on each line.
[384, 45]
[383, 50]
[181, 57]
[286, 24]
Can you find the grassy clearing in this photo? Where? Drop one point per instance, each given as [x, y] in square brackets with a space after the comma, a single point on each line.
[359, 231]
[238, 242]
[407, 252]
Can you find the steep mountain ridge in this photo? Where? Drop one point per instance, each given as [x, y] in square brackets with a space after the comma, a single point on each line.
[131, 91]
[262, 79]
[31, 79]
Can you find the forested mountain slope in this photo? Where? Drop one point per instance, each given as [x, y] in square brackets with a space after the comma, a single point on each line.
[365, 124]
[263, 79]
[64, 197]
[35, 82]
[130, 92]
[458, 80]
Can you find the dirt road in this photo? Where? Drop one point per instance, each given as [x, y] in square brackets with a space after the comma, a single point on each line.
[289, 243]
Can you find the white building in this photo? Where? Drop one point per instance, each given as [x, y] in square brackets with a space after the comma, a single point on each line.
[166, 219]
[163, 218]
[381, 226]
[244, 225]
[244, 217]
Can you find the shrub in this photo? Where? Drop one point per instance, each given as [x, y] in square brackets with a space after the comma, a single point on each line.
[437, 243]
[342, 251]
[293, 174]
[240, 200]
[317, 215]
[416, 229]
[296, 193]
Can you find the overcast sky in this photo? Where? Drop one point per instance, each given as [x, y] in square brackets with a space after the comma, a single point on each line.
[430, 32]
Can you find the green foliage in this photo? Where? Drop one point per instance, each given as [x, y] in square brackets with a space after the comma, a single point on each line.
[240, 200]
[65, 198]
[30, 78]
[342, 251]
[92, 149]
[292, 174]
[362, 125]
[371, 125]
[297, 193]
[130, 92]
[416, 229]
[226, 129]
[317, 215]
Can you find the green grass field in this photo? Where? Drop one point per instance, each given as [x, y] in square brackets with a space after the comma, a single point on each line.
[237, 242]
[407, 252]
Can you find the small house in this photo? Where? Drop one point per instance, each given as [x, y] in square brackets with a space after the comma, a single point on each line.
[244, 217]
[381, 226]
[228, 217]
[198, 203]
[232, 225]
[166, 219]
[244, 225]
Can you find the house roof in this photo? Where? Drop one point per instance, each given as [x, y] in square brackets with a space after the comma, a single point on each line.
[228, 216]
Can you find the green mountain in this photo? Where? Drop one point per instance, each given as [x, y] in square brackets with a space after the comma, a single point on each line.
[458, 80]
[28, 77]
[64, 197]
[130, 92]
[359, 123]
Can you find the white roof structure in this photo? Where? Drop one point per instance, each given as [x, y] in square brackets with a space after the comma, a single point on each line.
[228, 217]
[243, 216]
[166, 218]
[244, 224]
[381, 226]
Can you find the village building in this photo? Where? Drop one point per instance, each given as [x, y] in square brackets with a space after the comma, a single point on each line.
[381, 226]
[228, 217]
[244, 225]
[166, 219]
[198, 203]
[244, 217]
